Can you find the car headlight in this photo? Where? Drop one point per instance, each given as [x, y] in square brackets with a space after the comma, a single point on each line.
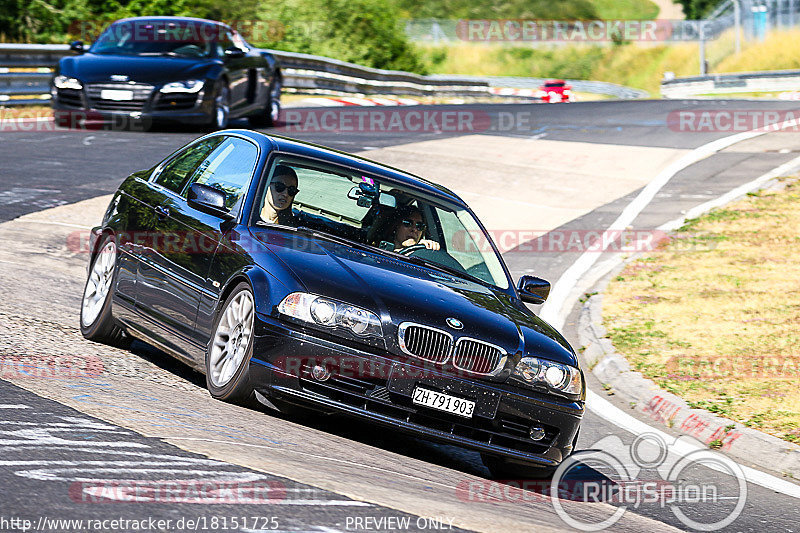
[64, 82]
[563, 378]
[187, 86]
[330, 313]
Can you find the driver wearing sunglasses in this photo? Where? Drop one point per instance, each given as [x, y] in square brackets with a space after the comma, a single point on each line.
[280, 195]
[409, 230]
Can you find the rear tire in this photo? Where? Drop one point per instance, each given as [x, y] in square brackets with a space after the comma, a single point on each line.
[97, 320]
[231, 348]
[270, 115]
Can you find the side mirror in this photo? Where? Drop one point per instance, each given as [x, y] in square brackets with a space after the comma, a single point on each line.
[208, 200]
[234, 53]
[533, 290]
[77, 46]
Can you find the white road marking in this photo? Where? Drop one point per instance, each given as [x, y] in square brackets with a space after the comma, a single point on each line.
[562, 304]
[553, 310]
[52, 474]
[315, 456]
[14, 406]
[605, 409]
[337, 503]
[54, 223]
[729, 196]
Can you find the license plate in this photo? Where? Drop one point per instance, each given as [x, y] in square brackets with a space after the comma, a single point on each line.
[114, 94]
[443, 402]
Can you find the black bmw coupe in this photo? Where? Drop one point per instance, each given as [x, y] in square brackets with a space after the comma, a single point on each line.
[303, 277]
[149, 69]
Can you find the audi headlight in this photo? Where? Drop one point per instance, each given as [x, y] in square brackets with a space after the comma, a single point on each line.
[187, 86]
[64, 82]
[330, 313]
[563, 378]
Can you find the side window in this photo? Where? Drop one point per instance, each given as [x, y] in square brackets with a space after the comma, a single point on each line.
[225, 42]
[175, 175]
[238, 40]
[228, 168]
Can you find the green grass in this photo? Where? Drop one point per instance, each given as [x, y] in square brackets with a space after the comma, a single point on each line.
[625, 9]
[712, 315]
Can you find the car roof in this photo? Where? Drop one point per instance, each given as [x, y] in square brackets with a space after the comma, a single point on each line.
[397, 176]
[173, 19]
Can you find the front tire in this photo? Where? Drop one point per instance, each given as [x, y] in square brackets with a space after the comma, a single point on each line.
[231, 347]
[221, 110]
[97, 321]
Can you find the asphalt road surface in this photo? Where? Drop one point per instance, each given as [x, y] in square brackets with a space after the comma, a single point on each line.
[47, 466]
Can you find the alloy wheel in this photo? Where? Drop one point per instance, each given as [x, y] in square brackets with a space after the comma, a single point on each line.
[223, 108]
[98, 285]
[232, 339]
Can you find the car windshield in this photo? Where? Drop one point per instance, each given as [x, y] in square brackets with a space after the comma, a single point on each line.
[554, 84]
[154, 38]
[365, 210]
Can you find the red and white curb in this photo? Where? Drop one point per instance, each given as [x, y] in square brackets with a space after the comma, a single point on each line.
[355, 101]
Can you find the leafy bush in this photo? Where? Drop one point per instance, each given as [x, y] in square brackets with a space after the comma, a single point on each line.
[513, 9]
[367, 32]
[695, 9]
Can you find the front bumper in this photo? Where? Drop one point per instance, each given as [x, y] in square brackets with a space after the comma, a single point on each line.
[77, 107]
[76, 118]
[378, 387]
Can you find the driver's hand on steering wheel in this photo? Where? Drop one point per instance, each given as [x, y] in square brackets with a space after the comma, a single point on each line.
[430, 245]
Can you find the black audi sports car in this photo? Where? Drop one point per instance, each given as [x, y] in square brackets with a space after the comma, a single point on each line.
[305, 277]
[186, 70]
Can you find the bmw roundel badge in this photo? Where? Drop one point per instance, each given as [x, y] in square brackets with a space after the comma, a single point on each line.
[454, 323]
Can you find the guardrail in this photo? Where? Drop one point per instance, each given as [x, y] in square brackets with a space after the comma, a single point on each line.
[302, 73]
[740, 82]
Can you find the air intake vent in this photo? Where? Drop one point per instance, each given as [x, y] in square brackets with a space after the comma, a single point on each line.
[425, 342]
[140, 93]
[478, 357]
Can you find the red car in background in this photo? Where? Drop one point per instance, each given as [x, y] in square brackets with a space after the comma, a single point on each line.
[555, 91]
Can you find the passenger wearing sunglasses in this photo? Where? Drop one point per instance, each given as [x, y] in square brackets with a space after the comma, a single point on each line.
[409, 229]
[280, 195]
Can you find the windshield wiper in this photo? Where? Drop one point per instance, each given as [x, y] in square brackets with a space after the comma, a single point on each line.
[444, 268]
[333, 238]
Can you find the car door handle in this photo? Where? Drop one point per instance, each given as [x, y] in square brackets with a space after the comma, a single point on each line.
[161, 211]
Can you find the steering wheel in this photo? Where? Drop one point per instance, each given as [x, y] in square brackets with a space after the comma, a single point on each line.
[409, 249]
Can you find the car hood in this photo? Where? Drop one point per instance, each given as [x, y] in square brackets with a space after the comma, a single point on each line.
[93, 68]
[401, 291]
